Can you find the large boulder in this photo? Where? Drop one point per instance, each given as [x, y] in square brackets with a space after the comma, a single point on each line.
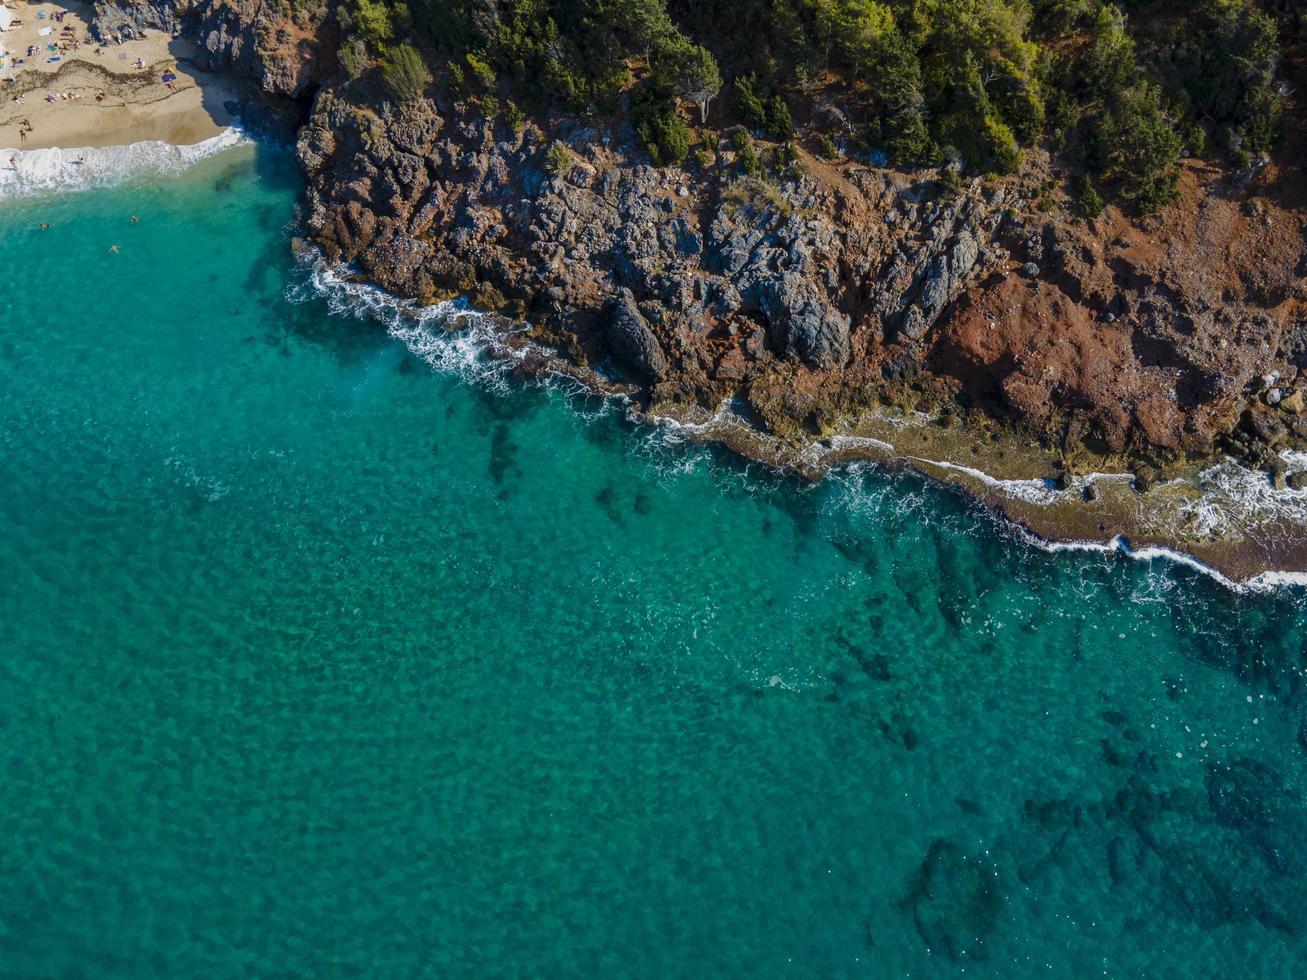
[955, 901]
[631, 342]
[962, 257]
[803, 325]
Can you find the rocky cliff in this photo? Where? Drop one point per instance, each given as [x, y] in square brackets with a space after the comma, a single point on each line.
[816, 292]
[819, 292]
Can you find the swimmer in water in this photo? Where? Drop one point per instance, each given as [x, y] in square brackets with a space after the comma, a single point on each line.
[135, 220]
[113, 249]
[44, 226]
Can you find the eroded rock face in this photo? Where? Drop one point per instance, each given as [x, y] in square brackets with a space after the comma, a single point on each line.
[811, 294]
[709, 259]
[128, 19]
[860, 279]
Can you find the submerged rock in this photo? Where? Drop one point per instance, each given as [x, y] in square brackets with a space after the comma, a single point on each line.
[955, 901]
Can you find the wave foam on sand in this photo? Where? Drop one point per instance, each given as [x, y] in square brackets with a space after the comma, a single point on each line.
[31, 173]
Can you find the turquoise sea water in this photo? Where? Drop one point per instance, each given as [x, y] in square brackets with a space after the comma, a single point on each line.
[316, 660]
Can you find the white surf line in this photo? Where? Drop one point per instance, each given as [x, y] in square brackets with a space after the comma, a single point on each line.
[1229, 493]
[1034, 491]
[1029, 491]
[1262, 582]
[32, 173]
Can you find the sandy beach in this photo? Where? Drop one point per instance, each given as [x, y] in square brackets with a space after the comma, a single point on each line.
[77, 93]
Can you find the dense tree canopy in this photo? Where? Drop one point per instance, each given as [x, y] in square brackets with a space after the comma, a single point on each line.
[1120, 91]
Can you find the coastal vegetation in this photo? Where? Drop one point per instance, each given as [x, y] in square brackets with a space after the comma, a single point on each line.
[1119, 92]
[404, 73]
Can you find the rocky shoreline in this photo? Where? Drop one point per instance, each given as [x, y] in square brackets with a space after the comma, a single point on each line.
[1227, 519]
[818, 299]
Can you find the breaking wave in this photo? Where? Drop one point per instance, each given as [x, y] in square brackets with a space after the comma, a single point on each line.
[32, 173]
[1262, 582]
[448, 336]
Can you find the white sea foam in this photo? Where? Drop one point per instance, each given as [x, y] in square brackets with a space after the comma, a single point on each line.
[1031, 491]
[859, 442]
[422, 329]
[31, 173]
[723, 418]
[1034, 491]
[1233, 494]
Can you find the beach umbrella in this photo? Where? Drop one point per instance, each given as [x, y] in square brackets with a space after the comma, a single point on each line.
[6, 17]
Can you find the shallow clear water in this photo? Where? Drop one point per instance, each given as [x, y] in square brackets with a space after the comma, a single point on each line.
[317, 660]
